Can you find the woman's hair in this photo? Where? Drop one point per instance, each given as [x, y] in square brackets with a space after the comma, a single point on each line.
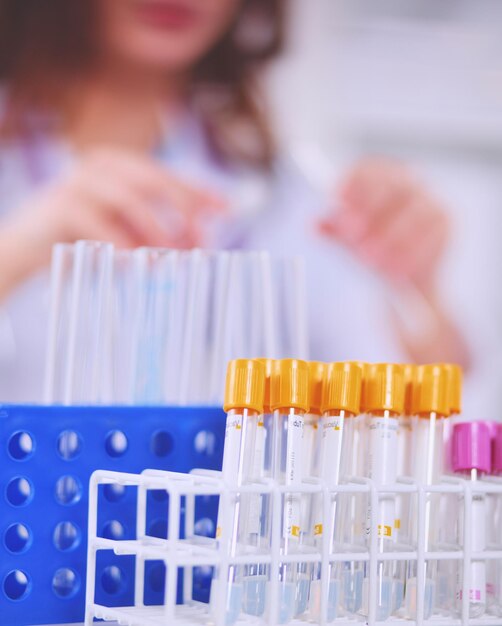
[45, 43]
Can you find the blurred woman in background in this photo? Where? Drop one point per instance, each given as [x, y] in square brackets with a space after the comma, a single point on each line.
[141, 122]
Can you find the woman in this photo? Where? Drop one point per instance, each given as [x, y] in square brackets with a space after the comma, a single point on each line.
[140, 122]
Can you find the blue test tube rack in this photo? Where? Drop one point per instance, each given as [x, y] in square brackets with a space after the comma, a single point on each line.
[47, 455]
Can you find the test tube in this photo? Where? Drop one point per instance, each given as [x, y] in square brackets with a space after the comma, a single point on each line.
[430, 407]
[244, 393]
[258, 510]
[494, 517]
[448, 504]
[310, 460]
[404, 469]
[471, 458]
[289, 401]
[384, 399]
[354, 506]
[340, 404]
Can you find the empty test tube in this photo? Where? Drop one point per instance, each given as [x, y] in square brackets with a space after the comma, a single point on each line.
[244, 395]
[384, 398]
[471, 457]
[289, 400]
[430, 407]
[340, 404]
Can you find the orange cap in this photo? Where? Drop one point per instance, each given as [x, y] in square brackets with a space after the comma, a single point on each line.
[365, 368]
[342, 390]
[384, 390]
[432, 391]
[267, 364]
[410, 387]
[317, 375]
[289, 386]
[454, 386]
[245, 386]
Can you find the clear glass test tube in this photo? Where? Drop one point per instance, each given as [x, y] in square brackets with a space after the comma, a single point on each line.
[244, 406]
[289, 392]
[385, 402]
[471, 458]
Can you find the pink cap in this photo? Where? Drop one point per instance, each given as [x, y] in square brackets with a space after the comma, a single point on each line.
[471, 447]
[497, 450]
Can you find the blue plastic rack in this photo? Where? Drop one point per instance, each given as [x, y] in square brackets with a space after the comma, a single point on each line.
[47, 455]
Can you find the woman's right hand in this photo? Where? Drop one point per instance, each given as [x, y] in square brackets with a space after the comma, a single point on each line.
[111, 195]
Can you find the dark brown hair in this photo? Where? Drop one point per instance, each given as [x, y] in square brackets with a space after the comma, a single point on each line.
[44, 43]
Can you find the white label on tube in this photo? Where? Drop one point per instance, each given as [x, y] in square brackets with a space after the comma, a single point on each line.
[258, 472]
[231, 454]
[331, 451]
[381, 468]
[293, 475]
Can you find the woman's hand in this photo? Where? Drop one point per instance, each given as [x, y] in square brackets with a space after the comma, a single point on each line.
[111, 195]
[396, 226]
[390, 221]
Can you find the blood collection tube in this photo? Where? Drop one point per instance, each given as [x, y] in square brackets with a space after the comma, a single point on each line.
[258, 511]
[310, 469]
[404, 469]
[494, 518]
[289, 401]
[340, 405]
[448, 505]
[384, 400]
[243, 404]
[354, 506]
[430, 406]
[471, 458]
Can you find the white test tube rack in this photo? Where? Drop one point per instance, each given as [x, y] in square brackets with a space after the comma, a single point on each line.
[202, 551]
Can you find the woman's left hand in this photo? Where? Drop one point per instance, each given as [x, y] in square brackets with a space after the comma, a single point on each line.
[390, 221]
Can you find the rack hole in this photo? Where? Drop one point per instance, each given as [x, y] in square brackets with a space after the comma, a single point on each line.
[205, 442]
[158, 528]
[17, 538]
[68, 490]
[157, 577]
[113, 530]
[113, 580]
[116, 443]
[19, 491]
[21, 446]
[69, 445]
[162, 443]
[65, 583]
[17, 585]
[67, 536]
[204, 527]
[114, 492]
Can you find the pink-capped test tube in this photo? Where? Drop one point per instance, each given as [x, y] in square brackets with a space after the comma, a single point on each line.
[494, 518]
[471, 458]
